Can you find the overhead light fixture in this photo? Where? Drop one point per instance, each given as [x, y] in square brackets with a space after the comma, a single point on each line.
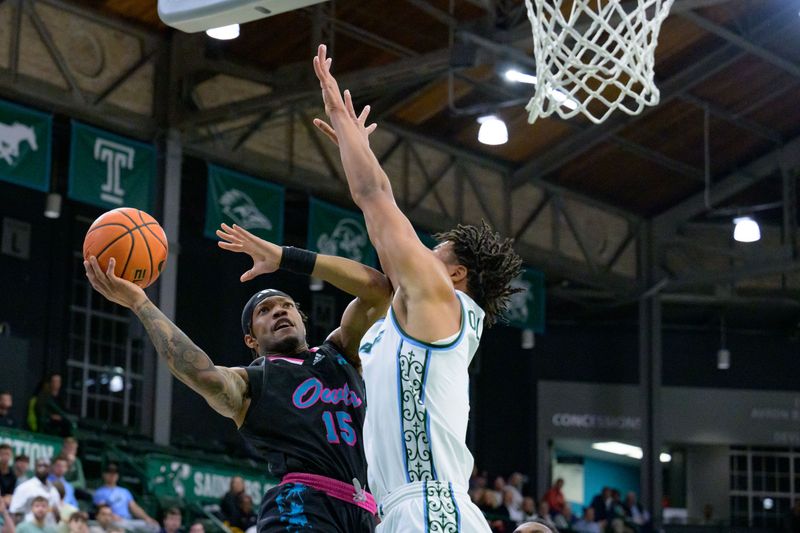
[560, 96]
[315, 284]
[628, 450]
[515, 75]
[723, 359]
[52, 205]
[619, 448]
[116, 384]
[493, 130]
[746, 230]
[528, 340]
[224, 33]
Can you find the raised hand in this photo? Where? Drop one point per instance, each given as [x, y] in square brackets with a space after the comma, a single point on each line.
[334, 102]
[266, 255]
[116, 289]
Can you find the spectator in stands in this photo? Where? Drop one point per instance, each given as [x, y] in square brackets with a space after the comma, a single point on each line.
[57, 472]
[21, 463]
[37, 486]
[488, 506]
[6, 402]
[172, 520]
[74, 475]
[8, 481]
[121, 501]
[544, 514]
[228, 506]
[46, 410]
[535, 526]
[77, 523]
[37, 523]
[245, 518]
[197, 527]
[515, 482]
[6, 520]
[554, 497]
[587, 524]
[513, 511]
[105, 519]
[635, 513]
[529, 509]
[565, 519]
[602, 504]
[65, 510]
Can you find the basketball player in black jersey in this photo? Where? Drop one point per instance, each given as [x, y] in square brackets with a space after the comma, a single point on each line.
[303, 408]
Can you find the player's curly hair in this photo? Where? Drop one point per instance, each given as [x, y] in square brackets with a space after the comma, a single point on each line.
[491, 265]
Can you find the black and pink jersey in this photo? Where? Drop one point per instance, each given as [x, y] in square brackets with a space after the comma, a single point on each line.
[307, 414]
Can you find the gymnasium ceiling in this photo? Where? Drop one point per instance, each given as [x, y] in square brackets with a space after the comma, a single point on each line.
[738, 58]
[580, 198]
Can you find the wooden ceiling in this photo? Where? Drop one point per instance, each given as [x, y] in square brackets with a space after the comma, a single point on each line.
[644, 165]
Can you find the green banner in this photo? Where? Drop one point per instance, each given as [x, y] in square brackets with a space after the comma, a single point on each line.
[25, 146]
[253, 204]
[427, 239]
[336, 231]
[526, 309]
[110, 171]
[201, 482]
[34, 445]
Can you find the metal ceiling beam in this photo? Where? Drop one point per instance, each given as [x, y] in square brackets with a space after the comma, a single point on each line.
[744, 43]
[500, 166]
[405, 71]
[576, 145]
[735, 119]
[693, 75]
[766, 165]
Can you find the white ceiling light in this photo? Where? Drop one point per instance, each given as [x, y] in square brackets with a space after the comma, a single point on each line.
[493, 130]
[515, 75]
[558, 95]
[746, 230]
[116, 384]
[723, 359]
[52, 206]
[620, 448]
[224, 33]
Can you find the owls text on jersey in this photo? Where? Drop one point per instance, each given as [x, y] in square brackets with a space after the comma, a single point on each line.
[418, 392]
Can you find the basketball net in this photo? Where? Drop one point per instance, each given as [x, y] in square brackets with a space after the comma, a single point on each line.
[595, 56]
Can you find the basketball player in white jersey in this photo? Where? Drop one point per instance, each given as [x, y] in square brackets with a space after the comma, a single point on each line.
[415, 361]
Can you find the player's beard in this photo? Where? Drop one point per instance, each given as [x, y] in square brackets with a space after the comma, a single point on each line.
[288, 345]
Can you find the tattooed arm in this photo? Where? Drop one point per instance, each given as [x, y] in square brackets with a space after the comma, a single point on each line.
[225, 389]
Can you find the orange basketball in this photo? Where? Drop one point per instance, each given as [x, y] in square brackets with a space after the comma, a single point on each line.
[134, 239]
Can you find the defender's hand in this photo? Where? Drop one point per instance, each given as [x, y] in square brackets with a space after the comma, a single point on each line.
[116, 289]
[266, 255]
[332, 97]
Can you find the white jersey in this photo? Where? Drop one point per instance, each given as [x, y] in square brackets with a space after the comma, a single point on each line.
[418, 404]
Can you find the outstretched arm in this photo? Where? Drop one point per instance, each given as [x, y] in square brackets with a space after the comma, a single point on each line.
[419, 277]
[371, 289]
[225, 389]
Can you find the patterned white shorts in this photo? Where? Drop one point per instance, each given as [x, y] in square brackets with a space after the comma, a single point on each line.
[430, 507]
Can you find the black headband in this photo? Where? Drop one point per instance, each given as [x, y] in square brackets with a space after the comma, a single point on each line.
[250, 306]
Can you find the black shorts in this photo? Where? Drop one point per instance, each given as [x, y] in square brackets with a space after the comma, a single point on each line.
[298, 507]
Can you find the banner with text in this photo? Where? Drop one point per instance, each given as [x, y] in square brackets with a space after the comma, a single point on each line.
[25, 146]
[526, 309]
[336, 231]
[201, 482]
[34, 445]
[253, 204]
[110, 171]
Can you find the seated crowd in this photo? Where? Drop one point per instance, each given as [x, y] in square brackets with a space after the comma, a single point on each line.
[507, 504]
